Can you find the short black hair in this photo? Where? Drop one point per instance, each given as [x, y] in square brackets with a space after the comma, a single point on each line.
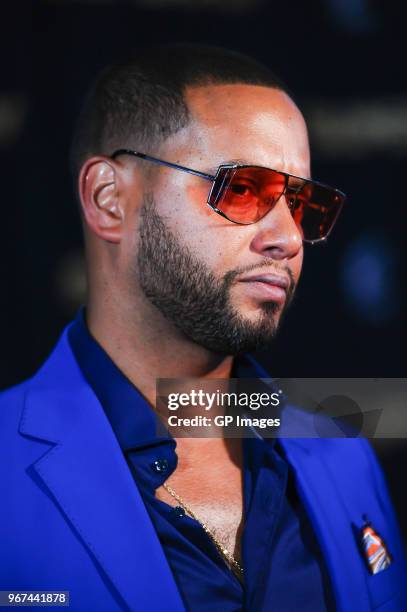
[139, 102]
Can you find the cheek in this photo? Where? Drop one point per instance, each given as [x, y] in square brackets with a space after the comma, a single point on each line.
[221, 243]
[210, 237]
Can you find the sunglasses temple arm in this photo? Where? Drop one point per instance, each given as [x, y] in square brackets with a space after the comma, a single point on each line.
[155, 160]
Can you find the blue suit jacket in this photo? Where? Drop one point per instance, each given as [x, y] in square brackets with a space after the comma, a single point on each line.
[72, 518]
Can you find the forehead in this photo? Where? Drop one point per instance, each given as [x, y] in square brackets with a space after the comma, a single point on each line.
[246, 123]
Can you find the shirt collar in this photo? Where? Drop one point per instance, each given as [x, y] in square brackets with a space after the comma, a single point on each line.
[132, 419]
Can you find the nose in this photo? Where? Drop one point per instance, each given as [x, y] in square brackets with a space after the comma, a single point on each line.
[277, 235]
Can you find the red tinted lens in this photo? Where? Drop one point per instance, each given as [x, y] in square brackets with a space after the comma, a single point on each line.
[315, 208]
[246, 194]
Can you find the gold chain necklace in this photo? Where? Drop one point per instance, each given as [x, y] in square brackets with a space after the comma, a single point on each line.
[235, 565]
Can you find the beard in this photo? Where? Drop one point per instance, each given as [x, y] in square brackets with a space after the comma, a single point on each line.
[189, 295]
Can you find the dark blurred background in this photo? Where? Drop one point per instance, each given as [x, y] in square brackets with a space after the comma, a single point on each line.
[344, 60]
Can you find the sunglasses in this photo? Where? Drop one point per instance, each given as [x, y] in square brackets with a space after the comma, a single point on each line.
[245, 194]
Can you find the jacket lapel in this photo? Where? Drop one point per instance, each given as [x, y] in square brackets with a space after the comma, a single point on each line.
[90, 480]
[331, 520]
[331, 514]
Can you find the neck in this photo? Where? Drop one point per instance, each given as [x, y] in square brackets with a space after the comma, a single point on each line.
[149, 347]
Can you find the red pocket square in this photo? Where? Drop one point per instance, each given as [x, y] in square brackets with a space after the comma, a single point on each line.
[374, 549]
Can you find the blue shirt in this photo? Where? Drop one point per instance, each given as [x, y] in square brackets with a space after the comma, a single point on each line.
[283, 566]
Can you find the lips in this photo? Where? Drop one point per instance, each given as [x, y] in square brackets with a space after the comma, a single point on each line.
[270, 287]
[271, 279]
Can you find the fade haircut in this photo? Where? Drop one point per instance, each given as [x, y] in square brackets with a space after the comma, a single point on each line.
[139, 102]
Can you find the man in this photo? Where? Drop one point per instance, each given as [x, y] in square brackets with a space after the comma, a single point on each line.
[97, 499]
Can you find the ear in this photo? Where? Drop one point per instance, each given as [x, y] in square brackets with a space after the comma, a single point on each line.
[99, 193]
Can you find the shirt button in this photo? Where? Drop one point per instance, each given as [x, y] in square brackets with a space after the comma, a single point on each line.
[178, 511]
[160, 466]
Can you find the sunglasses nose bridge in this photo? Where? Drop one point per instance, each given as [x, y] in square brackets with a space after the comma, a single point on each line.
[272, 199]
[281, 220]
[292, 191]
[284, 194]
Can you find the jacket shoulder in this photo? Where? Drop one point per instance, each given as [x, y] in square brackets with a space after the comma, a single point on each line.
[11, 401]
[50, 373]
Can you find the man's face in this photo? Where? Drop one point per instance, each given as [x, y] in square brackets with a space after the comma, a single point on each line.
[197, 267]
